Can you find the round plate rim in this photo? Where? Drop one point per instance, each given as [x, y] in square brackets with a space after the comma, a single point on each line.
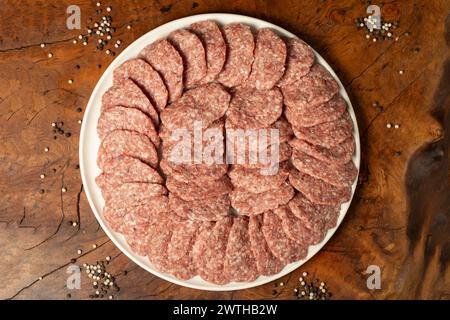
[88, 179]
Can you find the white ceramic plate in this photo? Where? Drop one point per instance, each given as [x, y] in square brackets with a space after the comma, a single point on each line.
[89, 143]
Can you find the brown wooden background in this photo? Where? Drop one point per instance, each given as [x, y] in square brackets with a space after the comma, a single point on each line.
[399, 218]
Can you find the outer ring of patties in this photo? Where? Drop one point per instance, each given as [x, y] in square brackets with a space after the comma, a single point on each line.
[196, 197]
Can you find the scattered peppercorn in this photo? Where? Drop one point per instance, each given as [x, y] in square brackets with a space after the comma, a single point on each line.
[166, 8]
[311, 291]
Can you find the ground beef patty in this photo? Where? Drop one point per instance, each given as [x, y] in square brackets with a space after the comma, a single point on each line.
[255, 109]
[193, 54]
[337, 175]
[179, 250]
[120, 118]
[147, 78]
[209, 33]
[205, 209]
[127, 169]
[139, 191]
[204, 188]
[319, 191]
[187, 173]
[206, 103]
[339, 154]
[129, 143]
[300, 58]
[128, 94]
[281, 246]
[307, 116]
[209, 251]
[165, 59]
[266, 263]
[247, 203]
[239, 59]
[327, 134]
[157, 248]
[268, 64]
[313, 89]
[240, 264]
[296, 230]
[307, 212]
[252, 180]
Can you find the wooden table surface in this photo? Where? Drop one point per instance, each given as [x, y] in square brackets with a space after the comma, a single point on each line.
[399, 218]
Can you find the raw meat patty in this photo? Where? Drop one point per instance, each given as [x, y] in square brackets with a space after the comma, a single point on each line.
[337, 175]
[147, 78]
[238, 63]
[147, 210]
[279, 243]
[127, 169]
[252, 180]
[209, 252]
[206, 103]
[317, 190]
[247, 203]
[209, 33]
[179, 250]
[307, 212]
[240, 264]
[158, 244]
[269, 60]
[300, 58]
[204, 188]
[308, 116]
[120, 118]
[205, 209]
[130, 143]
[339, 154]
[187, 173]
[128, 94]
[193, 54]
[255, 109]
[313, 89]
[165, 59]
[296, 230]
[135, 190]
[327, 134]
[266, 263]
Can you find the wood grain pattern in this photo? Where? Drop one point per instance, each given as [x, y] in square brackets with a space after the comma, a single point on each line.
[399, 218]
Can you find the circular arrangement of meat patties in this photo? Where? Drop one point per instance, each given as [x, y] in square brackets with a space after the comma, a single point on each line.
[226, 152]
